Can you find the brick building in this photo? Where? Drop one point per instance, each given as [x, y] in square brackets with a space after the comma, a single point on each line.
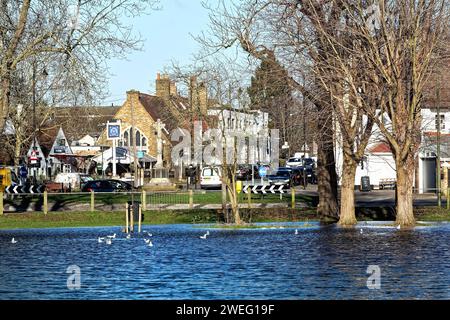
[143, 110]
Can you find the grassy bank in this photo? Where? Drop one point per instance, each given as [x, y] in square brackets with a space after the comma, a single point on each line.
[199, 197]
[88, 219]
[432, 214]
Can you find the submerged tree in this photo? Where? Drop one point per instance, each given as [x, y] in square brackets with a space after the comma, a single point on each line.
[400, 45]
[255, 28]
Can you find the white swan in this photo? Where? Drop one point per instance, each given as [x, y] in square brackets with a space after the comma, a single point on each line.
[204, 236]
[112, 237]
[128, 236]
[13, 240]
[147, 241]
[150, 244]
[100, 240]
[108, 241]
[296, 231]
[149, 234]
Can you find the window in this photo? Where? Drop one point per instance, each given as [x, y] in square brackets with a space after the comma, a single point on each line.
[138, 138]
[126, 139]
[62, 142]
[442, 123]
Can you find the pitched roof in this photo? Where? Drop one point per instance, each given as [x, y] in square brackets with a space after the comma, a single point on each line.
[380, 147]
[88, 120]
[170, 114]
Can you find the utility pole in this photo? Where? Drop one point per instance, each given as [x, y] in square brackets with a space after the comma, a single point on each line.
[34, 115]
[438, 147]
[133, 136]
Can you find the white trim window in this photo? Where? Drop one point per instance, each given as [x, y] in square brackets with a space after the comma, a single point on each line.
[442, 116]
[127, 139]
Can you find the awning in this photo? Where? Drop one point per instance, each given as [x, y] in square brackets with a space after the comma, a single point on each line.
[123, 156]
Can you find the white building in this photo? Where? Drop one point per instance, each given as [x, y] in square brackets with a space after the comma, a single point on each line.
[253, 128]
[378, 163]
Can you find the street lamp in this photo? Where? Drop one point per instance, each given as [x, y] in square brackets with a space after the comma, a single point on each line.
[45, 74]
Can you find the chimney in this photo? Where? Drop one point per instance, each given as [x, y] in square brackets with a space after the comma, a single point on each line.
[163, 86]
[203, 98]
[173, 88]
[198, 96]
[133, 95]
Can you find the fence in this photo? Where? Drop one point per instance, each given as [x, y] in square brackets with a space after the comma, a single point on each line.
[106, 201]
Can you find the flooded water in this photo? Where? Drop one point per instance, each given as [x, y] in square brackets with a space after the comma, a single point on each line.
[320, 262]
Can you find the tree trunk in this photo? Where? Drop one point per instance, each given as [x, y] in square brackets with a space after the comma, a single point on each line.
[347, 208]
[4, 100]
[17, 150]
[235, 206]
[326, 172]
[404, 194]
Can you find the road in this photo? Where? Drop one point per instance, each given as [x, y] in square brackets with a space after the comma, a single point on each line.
[379, 198]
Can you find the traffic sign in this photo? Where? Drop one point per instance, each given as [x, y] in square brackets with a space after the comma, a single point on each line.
[24, 189]
[113, 130]
[262, 171]
[264, 189]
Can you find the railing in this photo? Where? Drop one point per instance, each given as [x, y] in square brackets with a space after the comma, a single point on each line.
[115, 201]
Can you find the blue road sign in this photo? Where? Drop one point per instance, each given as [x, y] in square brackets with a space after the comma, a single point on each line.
[113, 131]
[262, 171]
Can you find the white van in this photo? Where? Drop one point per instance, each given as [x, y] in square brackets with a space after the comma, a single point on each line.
[73, 181]
[211, 178]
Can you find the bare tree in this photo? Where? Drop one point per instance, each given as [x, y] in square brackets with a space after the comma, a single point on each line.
[72, 39]
[400, 45]
[257, 28]
[353, 88]
[225, 83]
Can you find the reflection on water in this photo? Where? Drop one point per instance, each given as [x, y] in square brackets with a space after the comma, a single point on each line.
[319, 263]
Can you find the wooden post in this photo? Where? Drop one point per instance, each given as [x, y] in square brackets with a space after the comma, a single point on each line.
[126, 217]
[448, 200]
[1, 203]
[293, 198]
[140, 219]
[45, 202]
[92, 201]
[191, 199]
[144, 200]
[132, 217]
[249, 199]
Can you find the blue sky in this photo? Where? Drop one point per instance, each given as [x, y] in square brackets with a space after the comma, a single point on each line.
[166, 34]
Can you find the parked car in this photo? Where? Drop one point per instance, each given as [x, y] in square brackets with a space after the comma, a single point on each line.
[106, 186]
[121, 185]
[244, 172]
[71, 181]
[294, 162]
[210, 178]
[283, 176]
[298, 177]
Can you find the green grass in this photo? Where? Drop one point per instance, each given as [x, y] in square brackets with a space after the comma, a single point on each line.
[216, 198]
[432, 214]
[89, 219]
[58, 201]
